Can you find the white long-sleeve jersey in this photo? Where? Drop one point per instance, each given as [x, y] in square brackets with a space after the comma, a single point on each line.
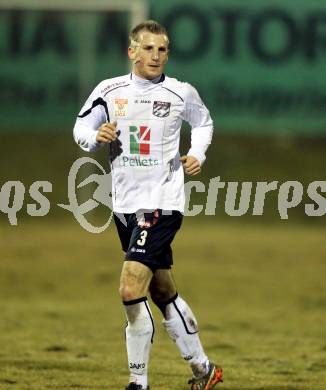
[145, 166]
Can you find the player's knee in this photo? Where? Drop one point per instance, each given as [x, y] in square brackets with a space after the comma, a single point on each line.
[160, 296]
[128, 292]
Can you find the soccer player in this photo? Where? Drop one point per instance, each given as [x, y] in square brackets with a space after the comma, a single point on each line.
[139, 116]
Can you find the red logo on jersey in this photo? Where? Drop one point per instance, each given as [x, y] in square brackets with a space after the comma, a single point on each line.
[140, 137]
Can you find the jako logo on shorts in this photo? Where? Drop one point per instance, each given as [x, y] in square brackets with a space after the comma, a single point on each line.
[140, 139]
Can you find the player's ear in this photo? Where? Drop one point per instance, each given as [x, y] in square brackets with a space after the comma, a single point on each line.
[131, 53]
[167, 55]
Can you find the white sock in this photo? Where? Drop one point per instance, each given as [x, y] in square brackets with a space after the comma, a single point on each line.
[139, 338]
[182, 327]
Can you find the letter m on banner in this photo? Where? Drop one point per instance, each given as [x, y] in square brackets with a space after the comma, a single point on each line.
[139, 139]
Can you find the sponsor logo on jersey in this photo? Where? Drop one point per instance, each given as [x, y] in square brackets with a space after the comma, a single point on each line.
[120, 107]
[161, 109]
[140, 148]
[114, 85]
[138, 250]
[143, 101]
[138, 162]
[140, 137]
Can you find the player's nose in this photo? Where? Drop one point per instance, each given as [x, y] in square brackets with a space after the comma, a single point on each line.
[155, 55]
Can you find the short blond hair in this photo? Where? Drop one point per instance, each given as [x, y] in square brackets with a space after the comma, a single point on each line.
[151, 26]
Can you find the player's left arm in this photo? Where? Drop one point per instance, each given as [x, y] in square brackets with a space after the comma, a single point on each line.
[197, 115]
[191, 165]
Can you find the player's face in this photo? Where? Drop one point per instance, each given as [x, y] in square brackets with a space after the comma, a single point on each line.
[150, 56]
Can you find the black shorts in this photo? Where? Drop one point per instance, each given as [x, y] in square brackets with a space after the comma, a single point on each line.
[147, 237]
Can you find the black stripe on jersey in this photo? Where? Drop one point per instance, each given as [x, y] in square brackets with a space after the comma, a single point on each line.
[97, 102]
[121, 86]
[173, 92]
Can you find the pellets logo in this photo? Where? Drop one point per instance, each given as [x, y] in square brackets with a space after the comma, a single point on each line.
[140, 137]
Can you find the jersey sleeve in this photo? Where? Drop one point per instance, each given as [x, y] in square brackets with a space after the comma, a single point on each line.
[92, 115]
[197, 115]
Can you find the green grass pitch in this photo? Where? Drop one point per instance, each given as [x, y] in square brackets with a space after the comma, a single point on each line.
[258, 292]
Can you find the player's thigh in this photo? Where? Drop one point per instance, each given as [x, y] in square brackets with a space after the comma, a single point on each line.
[162, 286]
[134, 280]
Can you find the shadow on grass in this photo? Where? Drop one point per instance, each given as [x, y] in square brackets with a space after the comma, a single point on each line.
[31, 365]
[255, 387]
[221, 346]
[7, 382]
[273, 387]
[317, 366]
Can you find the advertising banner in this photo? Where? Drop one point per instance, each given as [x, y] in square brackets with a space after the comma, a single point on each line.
[258, 65]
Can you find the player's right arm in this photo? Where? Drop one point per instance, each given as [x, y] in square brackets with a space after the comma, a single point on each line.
[107, 132]
[92, 128]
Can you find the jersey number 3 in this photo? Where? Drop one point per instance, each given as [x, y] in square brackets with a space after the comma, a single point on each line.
[143, 236]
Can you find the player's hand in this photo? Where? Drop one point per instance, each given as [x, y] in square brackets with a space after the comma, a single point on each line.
[191, 165]
[107, 132]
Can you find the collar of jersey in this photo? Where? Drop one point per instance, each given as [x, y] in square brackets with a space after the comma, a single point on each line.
[143, 83]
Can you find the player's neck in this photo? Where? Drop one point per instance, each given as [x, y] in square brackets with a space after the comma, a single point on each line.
[141, 81]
